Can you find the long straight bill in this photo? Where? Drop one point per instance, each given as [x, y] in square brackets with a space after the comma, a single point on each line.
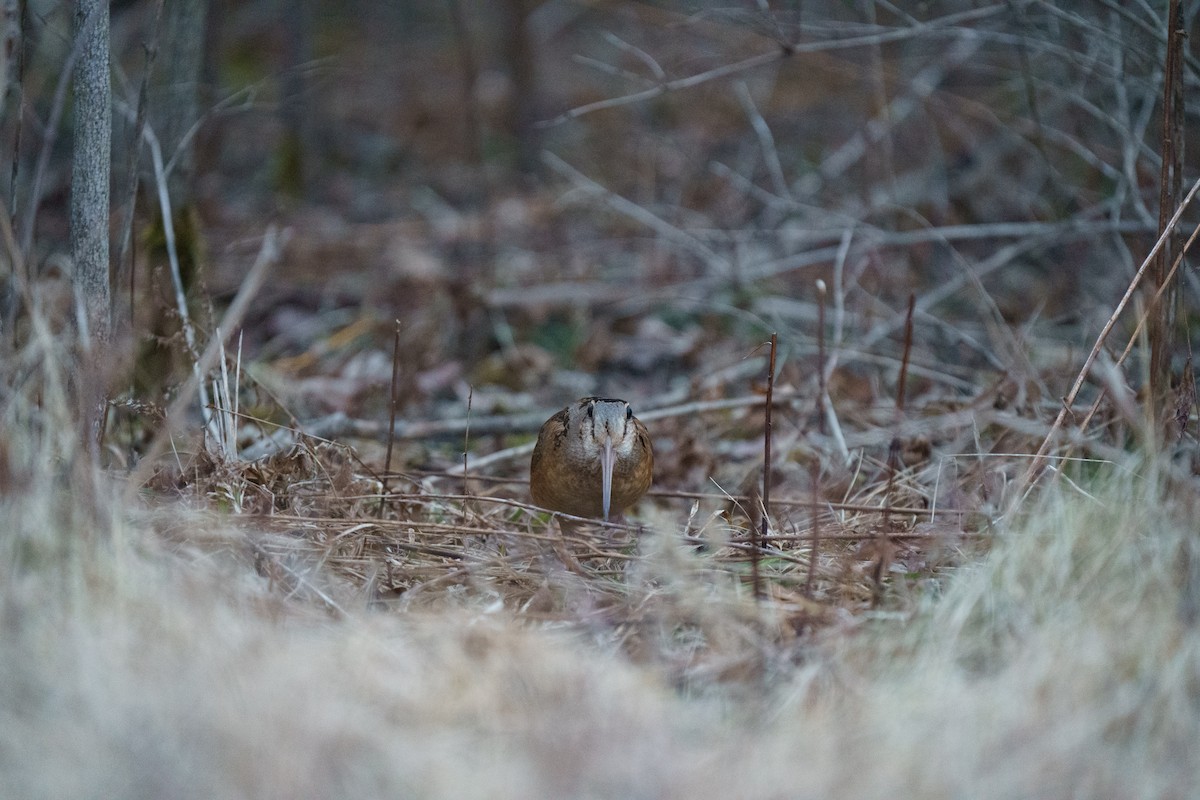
[606, 474]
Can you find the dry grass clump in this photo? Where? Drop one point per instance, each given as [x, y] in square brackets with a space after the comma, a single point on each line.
[1065, 663]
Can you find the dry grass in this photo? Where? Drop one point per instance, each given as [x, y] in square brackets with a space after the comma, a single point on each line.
[171, 651]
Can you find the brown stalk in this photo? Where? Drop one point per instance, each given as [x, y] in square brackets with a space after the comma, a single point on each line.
[821, 294]
[893, 458]
[764, 524]
[391, 435]
[1170, 184]
[883, 544]
[908, 335]
[467, 446]
[816, 530]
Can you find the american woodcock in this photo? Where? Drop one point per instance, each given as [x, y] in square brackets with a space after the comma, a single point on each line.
[592, 459]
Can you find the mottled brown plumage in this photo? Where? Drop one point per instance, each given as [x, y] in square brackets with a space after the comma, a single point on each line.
[591, 444]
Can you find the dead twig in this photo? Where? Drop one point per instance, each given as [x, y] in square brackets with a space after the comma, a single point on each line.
[815, 521]
[902, 381]
[391, 432]
[766, 484]
[822, 389]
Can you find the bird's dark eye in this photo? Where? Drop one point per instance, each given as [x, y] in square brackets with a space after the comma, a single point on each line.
[628, 412]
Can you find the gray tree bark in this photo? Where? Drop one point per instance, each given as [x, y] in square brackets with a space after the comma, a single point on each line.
[92, 166]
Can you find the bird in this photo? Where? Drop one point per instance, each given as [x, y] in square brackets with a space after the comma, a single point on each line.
[592, 459]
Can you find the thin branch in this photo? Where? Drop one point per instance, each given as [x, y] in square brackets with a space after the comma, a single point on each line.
[815, 522]
[902, 381]
[641, 55]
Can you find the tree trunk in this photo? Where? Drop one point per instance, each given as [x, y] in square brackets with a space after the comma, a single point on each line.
[92, 166]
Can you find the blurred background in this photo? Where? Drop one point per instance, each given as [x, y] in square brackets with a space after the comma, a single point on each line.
[569, 197]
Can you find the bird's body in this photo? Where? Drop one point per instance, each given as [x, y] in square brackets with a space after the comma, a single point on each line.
[592, 459]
